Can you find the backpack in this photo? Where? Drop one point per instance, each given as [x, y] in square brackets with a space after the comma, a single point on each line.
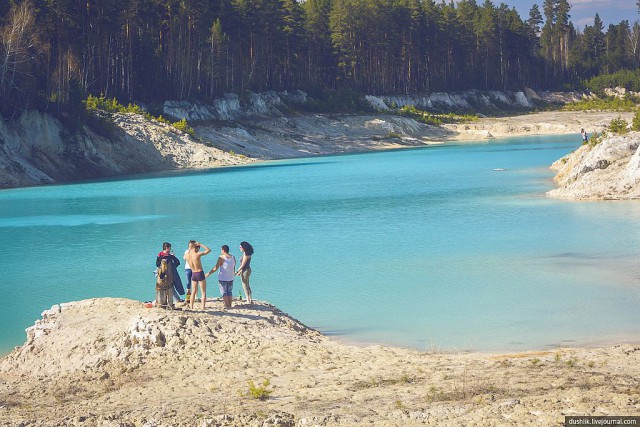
[164, 280]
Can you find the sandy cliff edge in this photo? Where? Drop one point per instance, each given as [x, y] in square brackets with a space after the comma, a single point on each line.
[609, 170]
[112, 362]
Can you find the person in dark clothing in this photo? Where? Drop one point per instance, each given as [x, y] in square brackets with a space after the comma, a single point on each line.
[174, 262]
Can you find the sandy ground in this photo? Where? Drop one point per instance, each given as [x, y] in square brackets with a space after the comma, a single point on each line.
[543, 123]
[112, 362]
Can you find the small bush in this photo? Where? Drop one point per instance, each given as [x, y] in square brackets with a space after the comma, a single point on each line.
[259, 392]
[100, 103]
[610, 103]
[635, 123]
[95, 103]
[183, 126]
[619, 126]
[628, 79]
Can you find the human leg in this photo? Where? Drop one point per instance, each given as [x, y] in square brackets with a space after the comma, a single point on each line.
[245, 284]
[197, 279]
[203, 291]
[159, 295]
[226, 289]
[170, 292]
[194, 291]
[189, 273]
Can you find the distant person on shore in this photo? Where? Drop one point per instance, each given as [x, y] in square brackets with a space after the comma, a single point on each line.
[585, 137]
[187, 268]
[226, 265]
[244, 271]
[198, 279]
[171, 279]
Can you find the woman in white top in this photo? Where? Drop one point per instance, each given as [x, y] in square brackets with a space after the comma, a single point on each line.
[226, 264]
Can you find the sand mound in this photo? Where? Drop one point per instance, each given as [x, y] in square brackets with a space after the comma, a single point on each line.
[87, 335]
[112, 362]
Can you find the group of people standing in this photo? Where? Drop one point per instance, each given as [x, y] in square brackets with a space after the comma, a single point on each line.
[170, 286]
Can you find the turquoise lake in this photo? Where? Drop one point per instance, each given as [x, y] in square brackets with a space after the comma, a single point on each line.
[429, 248]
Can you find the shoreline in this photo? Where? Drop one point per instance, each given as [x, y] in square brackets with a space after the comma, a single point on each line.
[112, 362]
[311, 135]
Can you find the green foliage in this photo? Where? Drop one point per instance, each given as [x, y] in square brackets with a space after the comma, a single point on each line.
[259, 392]
[627, 79]
[596, 139]
[611, 103]
[435, 119]
[95, 103]
[343, 48]
[183, 126]
[571, 363]
[618, 126]
[635, 123]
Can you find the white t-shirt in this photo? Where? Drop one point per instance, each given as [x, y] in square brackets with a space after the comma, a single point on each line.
[225, 273]
[186, 263]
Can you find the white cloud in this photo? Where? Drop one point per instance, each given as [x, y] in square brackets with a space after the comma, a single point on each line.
[603, 5]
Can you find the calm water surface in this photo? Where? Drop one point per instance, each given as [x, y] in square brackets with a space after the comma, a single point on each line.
[429, 248]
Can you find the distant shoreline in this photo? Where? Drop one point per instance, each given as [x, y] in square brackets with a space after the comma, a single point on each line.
[302, 136]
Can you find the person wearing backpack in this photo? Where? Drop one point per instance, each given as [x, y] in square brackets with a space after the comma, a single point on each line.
[164, 287]
[174, 283]
[226, 264]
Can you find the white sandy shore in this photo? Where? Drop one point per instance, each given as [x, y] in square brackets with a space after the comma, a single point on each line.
[112, 362]
[542, 123]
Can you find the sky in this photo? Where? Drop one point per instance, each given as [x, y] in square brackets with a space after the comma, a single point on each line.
[583, 11]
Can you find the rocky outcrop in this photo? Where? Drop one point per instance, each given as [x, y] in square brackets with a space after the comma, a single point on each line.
[609, 170]
[231, 108]
[38, 149]
[318, 134]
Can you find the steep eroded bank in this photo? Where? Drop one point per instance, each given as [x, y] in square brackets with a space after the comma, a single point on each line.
[609, 170]
[38, 149]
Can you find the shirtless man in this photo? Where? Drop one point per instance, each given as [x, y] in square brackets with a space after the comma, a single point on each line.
[197, 276]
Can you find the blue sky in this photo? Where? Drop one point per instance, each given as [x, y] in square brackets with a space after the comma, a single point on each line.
[583, 11]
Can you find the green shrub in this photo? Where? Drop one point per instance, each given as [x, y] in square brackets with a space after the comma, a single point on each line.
[596, 139]
[95, 103]
[619, 126]
[100, 103]
[635, 123]
[259, 392]
[627, 79]
[183, 126]
[611, 103]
